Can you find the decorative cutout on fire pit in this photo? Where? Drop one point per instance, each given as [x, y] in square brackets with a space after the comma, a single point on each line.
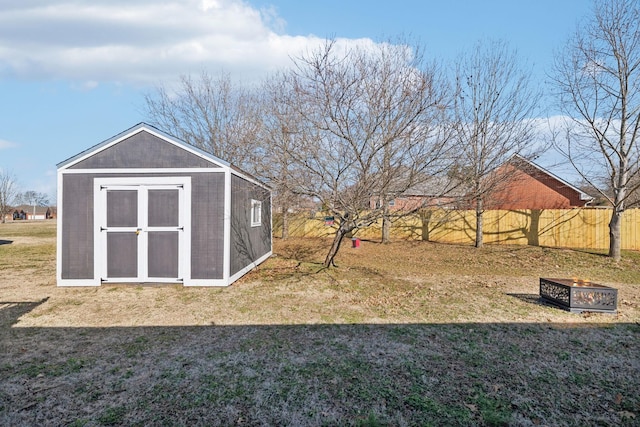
[596, 298]
[579, 295]
[558, 293]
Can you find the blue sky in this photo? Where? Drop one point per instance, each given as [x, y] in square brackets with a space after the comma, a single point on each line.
[75, 72]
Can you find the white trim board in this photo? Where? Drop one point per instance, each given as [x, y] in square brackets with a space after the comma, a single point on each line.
[249, 267]
[123, 171]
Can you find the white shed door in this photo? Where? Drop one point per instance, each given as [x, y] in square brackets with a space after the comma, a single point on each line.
[142, 233]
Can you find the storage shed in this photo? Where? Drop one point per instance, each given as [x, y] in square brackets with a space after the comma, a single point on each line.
[145, 207]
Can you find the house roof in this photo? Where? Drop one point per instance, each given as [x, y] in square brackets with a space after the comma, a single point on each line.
[140, 127]
[435, 186]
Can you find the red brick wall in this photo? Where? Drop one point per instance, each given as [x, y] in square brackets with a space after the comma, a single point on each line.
[533, 189]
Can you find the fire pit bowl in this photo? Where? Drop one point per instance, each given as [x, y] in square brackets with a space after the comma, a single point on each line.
[578, 296]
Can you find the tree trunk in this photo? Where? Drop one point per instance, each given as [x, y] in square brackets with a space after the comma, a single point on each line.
[386, 224]
[285, 223]
[479, 224]
[533, 235]
[335, 246]
[426, 219]
[614, 235]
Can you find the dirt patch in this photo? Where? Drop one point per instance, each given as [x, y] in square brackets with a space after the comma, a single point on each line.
[411, 333]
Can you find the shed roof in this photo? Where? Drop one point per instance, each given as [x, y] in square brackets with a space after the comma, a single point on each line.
[140, 127]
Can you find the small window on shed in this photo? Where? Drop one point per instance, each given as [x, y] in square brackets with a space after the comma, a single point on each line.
[256, 213]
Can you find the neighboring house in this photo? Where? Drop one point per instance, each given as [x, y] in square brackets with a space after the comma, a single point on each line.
[432, 192]
[297, 204]
[24, 212]
[529, 186]
[525, 185]
[145, 207]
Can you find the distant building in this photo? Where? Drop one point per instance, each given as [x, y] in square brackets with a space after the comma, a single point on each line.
[524, 185]
[530, 186]
[26, 212]
[432, 192]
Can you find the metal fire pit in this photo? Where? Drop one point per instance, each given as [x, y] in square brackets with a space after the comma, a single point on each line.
[578, 296]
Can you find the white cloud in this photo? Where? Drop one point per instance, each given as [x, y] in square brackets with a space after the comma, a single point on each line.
[7, 144]
[142, 41]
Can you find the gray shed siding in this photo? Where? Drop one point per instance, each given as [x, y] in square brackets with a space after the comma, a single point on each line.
[143, 150]
[248, 243]
[77, 227]
[207, 224]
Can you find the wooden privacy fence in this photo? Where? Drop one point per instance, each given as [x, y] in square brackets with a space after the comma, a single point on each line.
[586, 228]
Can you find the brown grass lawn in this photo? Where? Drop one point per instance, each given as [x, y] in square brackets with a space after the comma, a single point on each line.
[411, 333]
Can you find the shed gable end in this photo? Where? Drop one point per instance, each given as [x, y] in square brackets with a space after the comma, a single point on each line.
[143, 150]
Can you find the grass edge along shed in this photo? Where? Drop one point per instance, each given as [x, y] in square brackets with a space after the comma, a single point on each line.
[146, 207]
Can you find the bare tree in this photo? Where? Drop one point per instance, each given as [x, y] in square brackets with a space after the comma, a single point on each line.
[213, 114]
[8, 192]
[493, 111]
[369, 120]
[596, 77]
[281, 127]
[33, 199]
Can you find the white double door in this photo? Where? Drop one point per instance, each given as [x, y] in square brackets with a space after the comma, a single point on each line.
[142, 230]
